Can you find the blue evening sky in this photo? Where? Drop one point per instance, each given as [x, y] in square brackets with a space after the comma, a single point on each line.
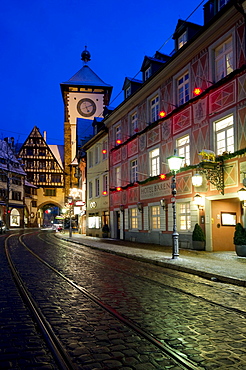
[41, 45]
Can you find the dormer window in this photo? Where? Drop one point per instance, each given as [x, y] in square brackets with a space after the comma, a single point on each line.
[222, 3]
[182, 40]
[128, 91]
[147, 73]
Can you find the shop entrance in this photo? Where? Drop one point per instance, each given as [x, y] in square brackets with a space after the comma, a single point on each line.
[225, 214]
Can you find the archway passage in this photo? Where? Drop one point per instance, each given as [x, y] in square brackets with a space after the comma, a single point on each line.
[49, 213]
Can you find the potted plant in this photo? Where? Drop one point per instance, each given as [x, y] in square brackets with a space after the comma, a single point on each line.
[198, 238]
[240, 240]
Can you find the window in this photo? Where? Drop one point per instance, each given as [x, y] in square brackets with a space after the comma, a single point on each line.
[134, 170]
[55, 178]
[49, 192]
[154, 158]
[105, 149]
[117, 176]
[16, 180]
[90, 190]
[147, 73]
[183, 146]
[42, 177]
[182, 40]
[105, 184]
[97, 187]
[184, 216]
[97, 154]
[90, 159]
[94, 222]
[133, 218]
[117, 133]
[183, 89]
[223, 59]
[222, 3]
[134, 123]
[155, 218]
[154, 109]
[3, 177]
[29, 151]
[224, 135]
[128, 91]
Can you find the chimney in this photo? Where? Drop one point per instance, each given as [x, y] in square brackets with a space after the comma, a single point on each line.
[45, 135]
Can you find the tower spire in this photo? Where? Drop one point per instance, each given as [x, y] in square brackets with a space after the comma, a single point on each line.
[85, 55]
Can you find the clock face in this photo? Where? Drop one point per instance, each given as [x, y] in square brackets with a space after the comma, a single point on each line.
[86, 107]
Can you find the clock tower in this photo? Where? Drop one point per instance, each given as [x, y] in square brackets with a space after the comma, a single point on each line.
[84, 95]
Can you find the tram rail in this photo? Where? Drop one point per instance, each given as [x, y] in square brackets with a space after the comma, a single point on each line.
[59, 351]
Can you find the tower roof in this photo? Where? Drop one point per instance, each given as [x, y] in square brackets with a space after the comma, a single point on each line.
[86, 77]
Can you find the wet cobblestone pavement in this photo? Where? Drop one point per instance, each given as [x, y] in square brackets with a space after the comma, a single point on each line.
[203, 319]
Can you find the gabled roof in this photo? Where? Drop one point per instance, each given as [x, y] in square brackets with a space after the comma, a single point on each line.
[129, 80]
[86, 77]
[148, 60]
[183, 25]
[58, 152]
[7, 154]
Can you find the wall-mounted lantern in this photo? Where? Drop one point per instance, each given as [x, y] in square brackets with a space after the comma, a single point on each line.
[198, 200]
[140, 207]
[197, 180]
[163, 203]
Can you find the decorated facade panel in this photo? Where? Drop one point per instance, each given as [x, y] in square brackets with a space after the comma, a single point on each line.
[183, 183]
[116, 156]
[242, 128]
[142, 115]
[153, 136]
[231, 174]
[199, 140]
[133, 195]
[241, 87]
[166, 96]
[223, 98]
[199, 71]
[166, 130]
[132, 147]
[182, 120]
[240, 44]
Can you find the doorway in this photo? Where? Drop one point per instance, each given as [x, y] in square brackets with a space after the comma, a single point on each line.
[225, 214]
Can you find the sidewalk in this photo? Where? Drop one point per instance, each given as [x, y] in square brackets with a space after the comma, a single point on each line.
[225, 267]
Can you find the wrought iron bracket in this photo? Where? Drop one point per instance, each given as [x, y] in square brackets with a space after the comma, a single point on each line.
[214, 173]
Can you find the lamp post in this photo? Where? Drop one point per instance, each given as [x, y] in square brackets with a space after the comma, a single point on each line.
[174, 163]
[70, 202]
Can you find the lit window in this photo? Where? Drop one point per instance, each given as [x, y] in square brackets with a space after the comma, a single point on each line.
[134, 169]
[183, 146]
[134, 218]
[223, 59]
[134, 123]
[117, 133]
[117, 177]
[184, 216]
[155, 218]
[224, 135]
[182, 40]
[105, 184]
[94, 222]
[105, 150]
[183, 89]
[97, 187]
[154, 157]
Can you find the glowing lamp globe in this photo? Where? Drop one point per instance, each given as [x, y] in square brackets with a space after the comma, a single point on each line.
[174, 162]
[197, 179]
[242, 194]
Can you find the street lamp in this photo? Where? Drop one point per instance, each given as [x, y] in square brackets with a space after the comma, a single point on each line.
[70, 202]
[174, 163]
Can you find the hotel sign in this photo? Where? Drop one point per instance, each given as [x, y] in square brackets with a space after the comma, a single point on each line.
[156, 190]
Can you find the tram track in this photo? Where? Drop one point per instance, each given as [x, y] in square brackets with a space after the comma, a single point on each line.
[169, 274]
[60, 353]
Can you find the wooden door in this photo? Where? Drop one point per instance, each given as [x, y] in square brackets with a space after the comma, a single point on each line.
[224, 212]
